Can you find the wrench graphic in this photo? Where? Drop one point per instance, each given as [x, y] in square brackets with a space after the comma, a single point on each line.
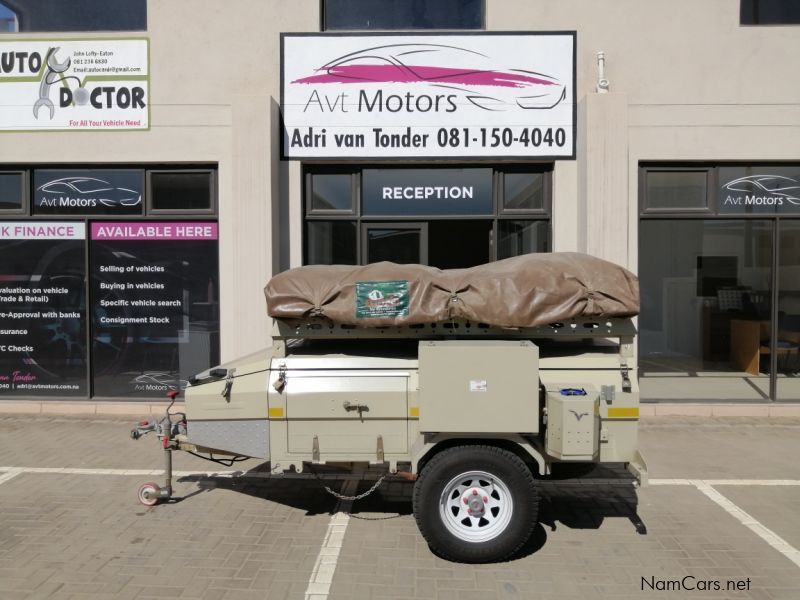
[53, 68]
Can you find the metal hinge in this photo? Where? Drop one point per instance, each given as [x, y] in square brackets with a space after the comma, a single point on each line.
[626, 380]
[226, 391]
[280, 382]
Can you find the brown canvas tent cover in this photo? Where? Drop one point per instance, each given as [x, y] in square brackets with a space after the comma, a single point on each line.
[524, 291]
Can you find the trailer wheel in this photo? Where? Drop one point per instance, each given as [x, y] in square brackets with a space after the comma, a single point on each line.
[149, 494]
[476, 504]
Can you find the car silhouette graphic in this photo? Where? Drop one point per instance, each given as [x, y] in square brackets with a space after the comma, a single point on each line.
[776, 186]
[161, 379]
[472, 75]
[102, 190]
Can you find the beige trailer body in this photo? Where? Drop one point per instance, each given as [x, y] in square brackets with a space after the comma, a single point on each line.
[470, 382]
[377, 403]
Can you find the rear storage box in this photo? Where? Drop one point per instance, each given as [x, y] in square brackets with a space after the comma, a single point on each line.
[485, 386]
[573, 423]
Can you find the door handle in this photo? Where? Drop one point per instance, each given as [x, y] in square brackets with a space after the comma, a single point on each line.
[349, 407]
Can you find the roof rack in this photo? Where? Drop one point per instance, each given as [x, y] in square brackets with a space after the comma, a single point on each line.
[584, 327]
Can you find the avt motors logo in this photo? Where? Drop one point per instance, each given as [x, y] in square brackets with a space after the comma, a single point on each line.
[440, 79]
[762, 190]
[85, 192]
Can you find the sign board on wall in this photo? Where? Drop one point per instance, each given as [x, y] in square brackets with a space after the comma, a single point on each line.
[155, 316]
[503, 95]
[759, 189]
[403, 192]
[89, 84]
[88, 191]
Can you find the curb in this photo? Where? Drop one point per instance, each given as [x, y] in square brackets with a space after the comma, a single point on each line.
[649, 410]
[57, 407]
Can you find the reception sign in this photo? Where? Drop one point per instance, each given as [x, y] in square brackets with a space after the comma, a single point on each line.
[388, 96]
[90, 84]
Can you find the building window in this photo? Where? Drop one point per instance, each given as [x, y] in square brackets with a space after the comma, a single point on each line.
[718, 276]
[75, 15]
[675, 189]
[770, 12]
[12, 191]
[447, 217]
[148, 318]
[181, 191]
[402, 14]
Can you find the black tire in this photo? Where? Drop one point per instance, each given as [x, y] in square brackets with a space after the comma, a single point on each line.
[438, 516]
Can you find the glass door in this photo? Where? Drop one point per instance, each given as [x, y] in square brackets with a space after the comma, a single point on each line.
[395, 242]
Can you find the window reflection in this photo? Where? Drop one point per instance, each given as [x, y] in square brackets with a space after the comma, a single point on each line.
[705, 308]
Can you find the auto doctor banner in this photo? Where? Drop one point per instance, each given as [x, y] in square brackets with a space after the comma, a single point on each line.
[504, 95]
[91, 84]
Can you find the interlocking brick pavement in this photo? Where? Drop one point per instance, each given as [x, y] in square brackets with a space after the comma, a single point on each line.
[86, 536]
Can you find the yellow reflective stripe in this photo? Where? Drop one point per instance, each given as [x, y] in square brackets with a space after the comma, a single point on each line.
[275, 413]
[413, 411]
[623, 413]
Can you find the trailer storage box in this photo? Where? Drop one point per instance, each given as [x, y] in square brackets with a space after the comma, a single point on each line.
[479, 385]
[573, 422]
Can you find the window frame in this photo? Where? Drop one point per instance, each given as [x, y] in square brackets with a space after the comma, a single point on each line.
[21, 20]
[500, 214]
[748, 8]
[645, 209]
[547, 190]
[355, 193]
[212, 200]
[24, 208]
[323, 22]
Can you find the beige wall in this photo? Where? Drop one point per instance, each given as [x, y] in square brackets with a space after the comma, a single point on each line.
[687, 83]
[693, 84]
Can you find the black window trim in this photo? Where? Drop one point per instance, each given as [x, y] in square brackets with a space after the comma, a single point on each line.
[24, 208]
[323, 23]
[360, 221]
[355, 193]
[750, 10]
[710, 200]
[547, 190]
[151, 210]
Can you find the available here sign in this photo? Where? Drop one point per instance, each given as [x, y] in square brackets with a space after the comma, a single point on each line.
[505, 95]
[92, 84]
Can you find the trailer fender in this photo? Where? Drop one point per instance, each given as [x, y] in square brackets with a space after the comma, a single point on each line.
[428, 445]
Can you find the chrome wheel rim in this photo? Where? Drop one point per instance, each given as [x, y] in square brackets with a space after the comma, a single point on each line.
[476, 506]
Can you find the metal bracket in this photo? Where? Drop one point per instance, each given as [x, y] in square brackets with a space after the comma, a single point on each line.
[379, 452]
[626, 380]
[315, 450]
[607, 393]
[226, 391]
[280, 382]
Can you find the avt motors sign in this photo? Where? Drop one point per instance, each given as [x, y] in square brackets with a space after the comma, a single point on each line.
[87, 84]
[439, 96]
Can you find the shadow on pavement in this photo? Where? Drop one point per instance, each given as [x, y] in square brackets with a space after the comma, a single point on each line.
[574, 496]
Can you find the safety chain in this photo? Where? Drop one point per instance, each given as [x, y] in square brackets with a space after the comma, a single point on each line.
[336, 494]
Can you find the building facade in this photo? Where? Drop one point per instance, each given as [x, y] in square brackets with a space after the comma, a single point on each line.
[151, 187]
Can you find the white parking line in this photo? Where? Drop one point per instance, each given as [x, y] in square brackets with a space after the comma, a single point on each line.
[769, 536]
[9, 474]
[319, 584]
[712, 482]
[322, 575]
